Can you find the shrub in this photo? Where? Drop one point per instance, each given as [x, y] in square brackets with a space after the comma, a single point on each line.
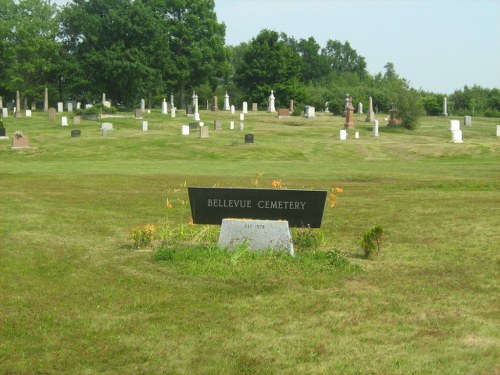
[143, 235]
[371, 243]
[307, 239]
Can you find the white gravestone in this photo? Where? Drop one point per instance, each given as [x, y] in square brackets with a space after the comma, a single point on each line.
[256, 234]
[245, 107]
[445, 106]
[144, 126]
[231, 125]
[185, 129]
[28, 113]
[456, 136]
[226, 102]
[107, 126]
[242, 126]
[467, 120]
[360, 108]
[242, 117]
[60, 107]
[375, 128]
[196, 116]
[143, 105]
[270, 107]
[64, 121]
[343, 134]
[5, 112]
[173, 110]
[356, 135]
[498, 130]
[164, 107]
[233, 110]
[454, 125]
[70, 107]
[310, 112]
[78, 105]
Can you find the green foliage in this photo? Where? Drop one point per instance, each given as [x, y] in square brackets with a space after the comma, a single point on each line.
[407, 107]
[372, 242]
[307, 239]
[143, 235]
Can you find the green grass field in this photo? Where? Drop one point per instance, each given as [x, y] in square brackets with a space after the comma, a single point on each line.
[77, 298]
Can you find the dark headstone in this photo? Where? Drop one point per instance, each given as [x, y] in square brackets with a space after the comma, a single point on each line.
[248, 138]
[194, 126]
[76, 133]
[301, 208]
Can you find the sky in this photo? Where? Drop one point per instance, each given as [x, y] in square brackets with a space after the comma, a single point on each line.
[437, 45]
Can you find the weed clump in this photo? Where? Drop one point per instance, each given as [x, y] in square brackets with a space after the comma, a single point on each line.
[372, 241]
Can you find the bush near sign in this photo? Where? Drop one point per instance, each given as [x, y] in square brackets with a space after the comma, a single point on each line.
[301, 208]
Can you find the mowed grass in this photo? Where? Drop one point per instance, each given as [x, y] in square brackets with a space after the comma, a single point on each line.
[76, 298]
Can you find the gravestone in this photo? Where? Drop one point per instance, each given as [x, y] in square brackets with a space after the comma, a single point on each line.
[375, 128]
[255, 107]
[242, 117]
[197, 116]
[70, 106]
[106, 103]
[19, 141]
[498, 130]
[64, 121]
[231, 125]
[343, 134]
[46, 100]
[3, 133]
[139, 114]
[60, 107]
[203, 131]
[215, 104]
[76, 133]
[190, 110]
[78, 105]
[327, 107]
[233, 110]
[456, 136]
[309, 112]
[356, 135]
[33, 106]
[5, 112]
[467, 120]
[248, 138]
[164, 107]
[185, 129]
[173, 111]
[1, 102]
[270, 103]
[360, 108]
[445, 106]
[144, 126]
[193, 126]
[349, 117]
[52, 114]
[283, 113]
[245, 108]
[256, 234]
[76, 120]
[370, 115]
[28, 113]
[217, 124]
[142, 105]
[227, 107]
[18, 102]
[242, 126]
[454, 125]
[172, 100]
[105, 126]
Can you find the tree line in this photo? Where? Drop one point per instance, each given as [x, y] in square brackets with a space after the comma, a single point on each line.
[133, 49]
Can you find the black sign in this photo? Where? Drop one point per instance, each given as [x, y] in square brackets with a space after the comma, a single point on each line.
[301, 208]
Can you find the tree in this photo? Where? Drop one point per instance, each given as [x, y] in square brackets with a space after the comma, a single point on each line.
[195, 40]
[314, 65]
[343, 58]
[269, 63]
[28, 48]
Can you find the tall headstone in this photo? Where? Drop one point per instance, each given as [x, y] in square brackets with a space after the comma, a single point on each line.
[142, 106]
[375, 128]
[173, 110]
[144, 126]
[370, 115]
[46, 100]
[270, 106]
[103, 97]
[245, 108]
[18, 102]
[349, 116]
[60, 107]
[52, 114]
[498, 130]
[171, 99]
[70, 107]
[164, 107]
[215, 104]
[291, 107]
[445, 106]
[193, 98]
[360, 108]
[1, 102]
[227, 107]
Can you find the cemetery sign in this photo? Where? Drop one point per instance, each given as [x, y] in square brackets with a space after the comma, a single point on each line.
[301, 208]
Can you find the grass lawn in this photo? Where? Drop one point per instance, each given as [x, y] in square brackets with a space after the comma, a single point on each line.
[77, 298]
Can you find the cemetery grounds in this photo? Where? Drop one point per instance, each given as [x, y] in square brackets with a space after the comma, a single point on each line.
[77, 298]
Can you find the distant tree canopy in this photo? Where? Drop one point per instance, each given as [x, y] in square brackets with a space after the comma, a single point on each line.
[133, 49]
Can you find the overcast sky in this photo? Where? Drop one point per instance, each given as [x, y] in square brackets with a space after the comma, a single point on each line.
[438, 45]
